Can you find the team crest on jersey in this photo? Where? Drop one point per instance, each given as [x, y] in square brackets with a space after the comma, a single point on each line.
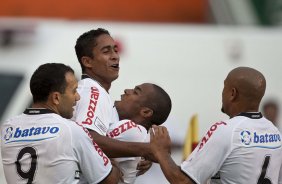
[260, 140]
[18, 134]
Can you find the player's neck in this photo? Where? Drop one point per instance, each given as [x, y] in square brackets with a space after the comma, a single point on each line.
[44, 105]
[146, 125]
[103, 83]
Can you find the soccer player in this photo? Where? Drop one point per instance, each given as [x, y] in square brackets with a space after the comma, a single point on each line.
[41, 146]
[98, 56]
[243, 149]
[139, 109]
[270, 110]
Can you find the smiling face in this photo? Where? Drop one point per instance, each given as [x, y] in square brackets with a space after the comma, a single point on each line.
[133, 101]
[69, 97]
[104, 65]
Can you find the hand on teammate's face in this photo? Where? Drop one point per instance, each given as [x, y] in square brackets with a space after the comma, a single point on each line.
[160, 142]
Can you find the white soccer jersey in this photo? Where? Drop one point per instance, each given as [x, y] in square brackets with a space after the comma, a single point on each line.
[127, 130]
[41, 147]
[95, 110]
[245, 149]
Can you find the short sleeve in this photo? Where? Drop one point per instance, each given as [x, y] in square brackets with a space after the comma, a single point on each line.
[209, 155]
[95, 109]
[126, 130]
[94, 164]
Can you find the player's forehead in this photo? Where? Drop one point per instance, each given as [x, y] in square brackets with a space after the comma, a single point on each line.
[105, 41]
[144, 88]
[71, 80]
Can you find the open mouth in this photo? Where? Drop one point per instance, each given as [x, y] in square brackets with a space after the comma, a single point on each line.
[116, 66]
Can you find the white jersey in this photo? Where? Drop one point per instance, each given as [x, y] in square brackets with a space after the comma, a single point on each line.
[245, 149]
[95, 110]
[41, 147]
[127, 130]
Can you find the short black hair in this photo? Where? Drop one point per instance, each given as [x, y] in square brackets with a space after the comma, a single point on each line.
[160, 103]
[47, 78]
[86, 42]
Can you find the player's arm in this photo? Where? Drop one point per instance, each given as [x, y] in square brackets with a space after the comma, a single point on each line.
[113, 177]
[115, 148]
[95, 166]
[160, 144]
[280, 176]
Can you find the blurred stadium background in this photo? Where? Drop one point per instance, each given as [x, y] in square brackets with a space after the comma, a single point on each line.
[187, 47]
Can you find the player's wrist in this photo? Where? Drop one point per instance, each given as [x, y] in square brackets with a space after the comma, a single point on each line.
[160, 155]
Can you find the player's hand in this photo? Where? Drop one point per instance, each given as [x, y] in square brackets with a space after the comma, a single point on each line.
[160, 142]
[143, 166]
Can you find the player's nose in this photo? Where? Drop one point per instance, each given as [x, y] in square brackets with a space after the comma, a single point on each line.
[127, 91]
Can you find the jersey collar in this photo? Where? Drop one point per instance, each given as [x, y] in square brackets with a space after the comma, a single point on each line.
[252, 115]
[36, 111]
[85, 76]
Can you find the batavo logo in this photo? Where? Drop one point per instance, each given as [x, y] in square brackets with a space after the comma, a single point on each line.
[17, 134]
[260, 140]
[209, 133]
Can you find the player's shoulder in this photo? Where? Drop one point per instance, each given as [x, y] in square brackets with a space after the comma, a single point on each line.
[89, 83]
[253, 120]
[126, 124]
[75, 130]
[126, 129]
[72, 125]
[89, 86]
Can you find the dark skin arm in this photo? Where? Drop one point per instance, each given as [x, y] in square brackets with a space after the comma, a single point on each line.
[160, 145]
[114, 148]
[114, 176]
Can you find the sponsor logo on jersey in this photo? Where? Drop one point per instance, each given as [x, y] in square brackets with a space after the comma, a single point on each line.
[260, 140]
[209, 133]
[94, 96]
[246, 137]
[122, 128]
[97, 148]
[18, 134]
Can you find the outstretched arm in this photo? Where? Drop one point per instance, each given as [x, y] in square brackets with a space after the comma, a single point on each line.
[115, 148]
[160, 145]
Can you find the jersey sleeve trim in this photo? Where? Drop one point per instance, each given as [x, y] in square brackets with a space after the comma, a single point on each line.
[103, 177]
[190, 176]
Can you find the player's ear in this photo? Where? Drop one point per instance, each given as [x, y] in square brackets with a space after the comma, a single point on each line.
[234, 94]
[146, 112]
[86, 61]
[55, 98]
